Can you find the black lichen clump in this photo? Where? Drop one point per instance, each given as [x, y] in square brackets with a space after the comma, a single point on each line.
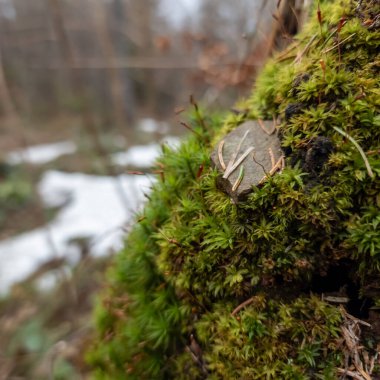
[318, 154]
[262, 288]
[293, 109]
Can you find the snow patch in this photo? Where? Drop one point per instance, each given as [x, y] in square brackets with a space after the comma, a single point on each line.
[41, 154]
[141, 156]
[144, 156]
[94, 209]
[148, 125]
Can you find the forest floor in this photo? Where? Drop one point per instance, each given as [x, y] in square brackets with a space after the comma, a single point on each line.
[46, 319]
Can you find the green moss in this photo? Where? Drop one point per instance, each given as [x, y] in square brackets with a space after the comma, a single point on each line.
[193, 256]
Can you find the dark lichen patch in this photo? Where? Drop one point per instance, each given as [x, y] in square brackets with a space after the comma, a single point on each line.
[302, 237]
[293, 109]
[317, 155]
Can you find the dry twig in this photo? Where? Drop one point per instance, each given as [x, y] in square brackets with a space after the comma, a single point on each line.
[242, 306]
[358, 363]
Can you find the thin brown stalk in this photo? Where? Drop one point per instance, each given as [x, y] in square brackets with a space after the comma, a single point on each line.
[190, 129]
[242, 306]
[278, 165]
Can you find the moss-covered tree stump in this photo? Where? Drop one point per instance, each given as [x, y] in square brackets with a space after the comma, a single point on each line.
[286, 283]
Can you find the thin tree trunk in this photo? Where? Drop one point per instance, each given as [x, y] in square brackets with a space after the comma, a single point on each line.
[7, 106]
[79, 90]
[288, 21]
[115, 79]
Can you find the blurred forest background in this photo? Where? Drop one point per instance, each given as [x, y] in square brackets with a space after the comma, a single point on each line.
[89, 91]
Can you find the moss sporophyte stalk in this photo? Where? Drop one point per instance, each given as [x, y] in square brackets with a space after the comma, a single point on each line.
[285, 283]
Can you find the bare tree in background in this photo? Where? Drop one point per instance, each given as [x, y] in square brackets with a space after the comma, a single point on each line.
[6, 102]
[115, 79]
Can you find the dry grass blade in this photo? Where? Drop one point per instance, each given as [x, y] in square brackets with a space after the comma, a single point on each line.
[359, 148]
[354, 375]
[305, 50]
[340, 43]
[235, 153]
[277, 166]
[358, 362]
[262, 126]
[220, 155]
[239, 179]
[238, 162]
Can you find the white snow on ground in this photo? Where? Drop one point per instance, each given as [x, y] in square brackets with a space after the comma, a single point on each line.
[41, 154]
[93, 209]
[143, 156]
[148, 125]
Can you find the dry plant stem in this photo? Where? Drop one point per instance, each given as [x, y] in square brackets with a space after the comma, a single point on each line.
[354, 375]
[273, 161]
[220, 155]
[242, 306]
[190, 129]
[258, 163]
[239, 179]
[357, 359]
[358, 147]
[338, 44]
[235, 153]
[196, 359]
[264, 129]
[199, 116]
[279, 165]
[372, 152]
[238, 162]
[351, 317]
[305, 50]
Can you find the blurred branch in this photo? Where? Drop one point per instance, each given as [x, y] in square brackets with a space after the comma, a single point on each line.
[139, 63]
